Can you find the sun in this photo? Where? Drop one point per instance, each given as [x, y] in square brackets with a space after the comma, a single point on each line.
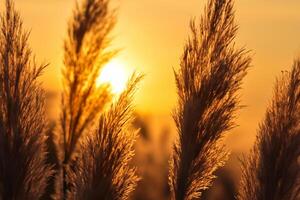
[114, 74]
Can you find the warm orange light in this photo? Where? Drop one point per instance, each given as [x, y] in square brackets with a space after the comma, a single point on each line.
[114, 74]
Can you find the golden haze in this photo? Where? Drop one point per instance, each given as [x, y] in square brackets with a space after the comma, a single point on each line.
[152, 34]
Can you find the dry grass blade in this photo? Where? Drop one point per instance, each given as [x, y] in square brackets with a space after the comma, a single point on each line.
[272, 172]
[102, 170]
[209, 77]
[23, 172]
[85, 54]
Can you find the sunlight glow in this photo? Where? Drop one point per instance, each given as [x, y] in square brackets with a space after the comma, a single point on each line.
[114, 74]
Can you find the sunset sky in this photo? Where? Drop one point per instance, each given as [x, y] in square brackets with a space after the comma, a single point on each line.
[152, 34]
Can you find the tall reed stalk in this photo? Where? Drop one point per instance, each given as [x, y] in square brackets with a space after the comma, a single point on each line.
[271, 172]
[85, 52]
[23, 171]
[208, 80]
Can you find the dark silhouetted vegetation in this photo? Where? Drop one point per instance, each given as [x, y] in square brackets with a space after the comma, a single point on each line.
[23, 169]
[88, 152]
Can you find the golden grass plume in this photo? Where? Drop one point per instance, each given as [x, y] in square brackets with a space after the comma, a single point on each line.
[271, 172]
[23, 171]
[102, 170]
[208, 80]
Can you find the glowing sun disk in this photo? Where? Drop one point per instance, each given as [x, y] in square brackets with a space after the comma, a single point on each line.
[115, 75]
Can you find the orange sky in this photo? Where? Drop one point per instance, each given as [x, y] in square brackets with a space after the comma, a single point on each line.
[152, 34]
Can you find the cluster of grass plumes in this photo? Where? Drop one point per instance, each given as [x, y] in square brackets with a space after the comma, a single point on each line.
[85, 52]
[23, 171]
[103, 170]
[209, 77]
[271, 172]
[92, 158]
